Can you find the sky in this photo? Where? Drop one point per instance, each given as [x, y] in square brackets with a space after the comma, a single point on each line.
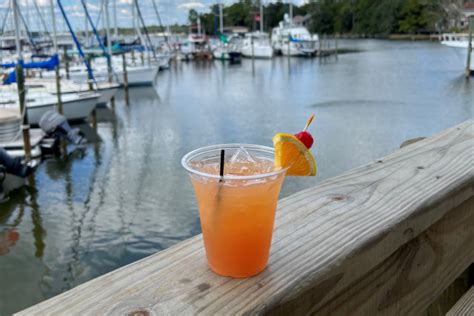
[171, 11]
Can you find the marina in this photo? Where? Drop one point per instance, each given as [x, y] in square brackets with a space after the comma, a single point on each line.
[96, 115]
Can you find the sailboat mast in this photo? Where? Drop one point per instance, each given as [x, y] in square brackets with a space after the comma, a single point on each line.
[107, 27]
[53, 20]
[261, 16]
[221, 18]
[115, 19]
[291, 12]
[17, 30]
[86, 26]
[55, 47]
[109, 45]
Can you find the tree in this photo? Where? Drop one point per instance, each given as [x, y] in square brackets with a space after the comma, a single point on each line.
[193, 16]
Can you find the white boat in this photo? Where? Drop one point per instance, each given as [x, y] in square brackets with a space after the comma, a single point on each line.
[196, 47]
[106, 90]
[460, 43]
[228, 48]
[288, 39]
[76, 107]
[163, 60]
[257, 45]
[137, 75]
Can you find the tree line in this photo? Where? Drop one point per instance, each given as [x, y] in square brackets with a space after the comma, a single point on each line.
[358, 17]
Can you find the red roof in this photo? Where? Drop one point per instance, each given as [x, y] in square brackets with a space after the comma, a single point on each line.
[469, 6]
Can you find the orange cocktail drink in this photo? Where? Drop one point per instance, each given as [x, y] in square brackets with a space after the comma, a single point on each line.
[237, 210]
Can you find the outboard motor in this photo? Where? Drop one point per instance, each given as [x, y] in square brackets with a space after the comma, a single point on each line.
[14, 166]
[55, 124]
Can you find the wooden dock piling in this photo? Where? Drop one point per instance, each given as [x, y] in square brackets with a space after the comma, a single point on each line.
[58, 90]
[469, 47]
[66, 62]
[25, 127]
[125, 79]
[89, 78]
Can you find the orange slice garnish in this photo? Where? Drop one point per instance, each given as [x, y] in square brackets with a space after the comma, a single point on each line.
[291, 153]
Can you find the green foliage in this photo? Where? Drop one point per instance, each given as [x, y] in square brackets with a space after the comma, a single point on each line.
[363, 17]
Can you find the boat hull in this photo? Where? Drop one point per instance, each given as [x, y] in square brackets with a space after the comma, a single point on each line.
[75, 110]
[137, 76]
[106, 95]
[258, 52]
[460, 48]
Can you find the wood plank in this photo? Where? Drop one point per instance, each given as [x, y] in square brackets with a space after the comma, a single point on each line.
[465, 306]
[409, 280]
[326, 240]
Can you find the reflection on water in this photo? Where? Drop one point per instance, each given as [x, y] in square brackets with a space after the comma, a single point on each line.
[125, 195]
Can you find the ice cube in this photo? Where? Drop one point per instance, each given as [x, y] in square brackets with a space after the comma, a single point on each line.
[242, 155]
[243, 163]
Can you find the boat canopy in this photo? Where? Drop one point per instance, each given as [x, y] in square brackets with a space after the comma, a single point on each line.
[49, 64]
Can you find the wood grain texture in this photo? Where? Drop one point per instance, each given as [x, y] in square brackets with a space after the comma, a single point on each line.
[333, 244]
[465, 306]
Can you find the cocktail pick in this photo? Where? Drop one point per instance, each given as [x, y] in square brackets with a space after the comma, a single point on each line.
[308, 123]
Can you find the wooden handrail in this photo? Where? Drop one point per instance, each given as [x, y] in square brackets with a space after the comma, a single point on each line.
[386, 239]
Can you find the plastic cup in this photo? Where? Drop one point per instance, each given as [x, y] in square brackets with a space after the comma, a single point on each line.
[237, 212]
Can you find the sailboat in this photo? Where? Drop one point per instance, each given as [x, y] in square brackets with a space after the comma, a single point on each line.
[106, 90]
[76, 106]
[228, 48]
[257, 45]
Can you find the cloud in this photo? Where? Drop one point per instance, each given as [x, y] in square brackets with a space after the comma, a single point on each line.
[191, 5]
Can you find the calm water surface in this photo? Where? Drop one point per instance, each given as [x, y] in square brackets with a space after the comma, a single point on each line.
[126, 196]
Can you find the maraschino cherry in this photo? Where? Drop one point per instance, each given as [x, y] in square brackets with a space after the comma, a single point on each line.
[304, 136]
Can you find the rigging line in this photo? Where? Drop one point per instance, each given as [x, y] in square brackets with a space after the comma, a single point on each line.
[30, 37]
[100, 14]
[161, 25]
[94, 30]
[76, 41]
[43, 22]
[5, 18]
[145, 29]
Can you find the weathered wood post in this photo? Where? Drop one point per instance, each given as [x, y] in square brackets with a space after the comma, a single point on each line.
[253, 47]
[66, 61]
[89, 79]
[58, 88]
[91, 88]
[320, 42]
[25, 127]
[469, 48]
[289, 44]
[125, 79]
[112, 100]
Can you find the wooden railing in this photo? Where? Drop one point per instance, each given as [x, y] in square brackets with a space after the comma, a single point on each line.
[383, 239]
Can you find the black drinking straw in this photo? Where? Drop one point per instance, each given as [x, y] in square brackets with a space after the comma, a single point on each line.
[221, 171]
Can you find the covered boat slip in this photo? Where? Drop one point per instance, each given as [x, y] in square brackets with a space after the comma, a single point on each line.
[384, 239]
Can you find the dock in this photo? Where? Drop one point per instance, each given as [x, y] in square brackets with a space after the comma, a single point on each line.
[383, 239]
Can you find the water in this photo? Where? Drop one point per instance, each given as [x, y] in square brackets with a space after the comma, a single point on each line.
[126, 196]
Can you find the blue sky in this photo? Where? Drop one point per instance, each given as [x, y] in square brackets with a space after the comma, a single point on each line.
[171, 11]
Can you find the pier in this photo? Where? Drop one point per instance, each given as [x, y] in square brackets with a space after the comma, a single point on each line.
[384, 239]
